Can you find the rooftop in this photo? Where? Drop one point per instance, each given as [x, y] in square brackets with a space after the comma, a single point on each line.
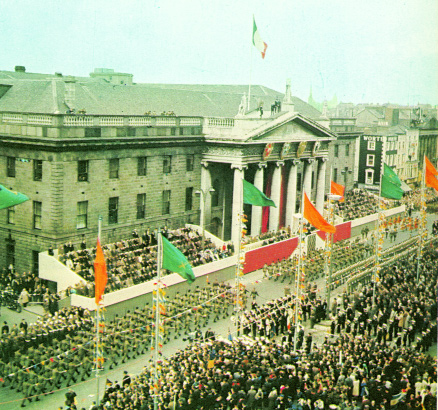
[21, 91]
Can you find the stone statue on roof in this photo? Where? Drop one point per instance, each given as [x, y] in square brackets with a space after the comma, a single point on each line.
[243, 104]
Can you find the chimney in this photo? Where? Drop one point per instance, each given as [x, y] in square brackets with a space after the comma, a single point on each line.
[20, 69]
[69, 96]
[288, 104]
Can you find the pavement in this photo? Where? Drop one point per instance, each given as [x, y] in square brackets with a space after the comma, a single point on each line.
[88, 390]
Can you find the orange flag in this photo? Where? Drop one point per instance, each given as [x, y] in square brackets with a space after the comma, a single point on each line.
[337, 189]
[100, 275]
[429, 177]
[315, 218]
[429, 167]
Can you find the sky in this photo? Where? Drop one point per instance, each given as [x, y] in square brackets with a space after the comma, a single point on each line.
[362, 51]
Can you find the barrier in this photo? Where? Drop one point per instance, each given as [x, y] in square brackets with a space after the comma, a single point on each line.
[256, 258]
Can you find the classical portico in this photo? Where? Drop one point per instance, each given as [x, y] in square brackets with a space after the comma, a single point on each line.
[280, 158]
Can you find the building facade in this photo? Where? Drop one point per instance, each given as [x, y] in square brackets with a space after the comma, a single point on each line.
[146, 156]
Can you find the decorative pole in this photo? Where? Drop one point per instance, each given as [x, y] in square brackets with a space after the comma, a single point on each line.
[328, 250]
[99, 311]
[300, 269]
[156, 334]
[379, 235]
[239, 271]
[423, 216]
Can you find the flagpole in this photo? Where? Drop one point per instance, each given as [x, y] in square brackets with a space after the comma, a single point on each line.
[99, 231]
[423, 218]
[157, 319]
[378, 230]
[250, 67]
[238, 274]
[328, 249]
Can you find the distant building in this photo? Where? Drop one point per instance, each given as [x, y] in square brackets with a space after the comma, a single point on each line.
[342, 151]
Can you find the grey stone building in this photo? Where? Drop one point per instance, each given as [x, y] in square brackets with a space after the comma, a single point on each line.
[147, 155]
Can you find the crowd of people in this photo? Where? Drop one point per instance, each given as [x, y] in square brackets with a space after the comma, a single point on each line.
[58, 349]
[36, 358]
[27, 287]
[357, 204]
[375, 355]
[133, 261]
[358, 368]
[267, 238]
[344, 253]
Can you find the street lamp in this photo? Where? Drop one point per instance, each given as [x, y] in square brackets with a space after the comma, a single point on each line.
[203, 194]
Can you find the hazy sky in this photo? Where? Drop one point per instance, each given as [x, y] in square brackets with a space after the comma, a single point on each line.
[361, 50]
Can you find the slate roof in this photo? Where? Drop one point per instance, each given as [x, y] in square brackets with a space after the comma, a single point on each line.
[44, 93]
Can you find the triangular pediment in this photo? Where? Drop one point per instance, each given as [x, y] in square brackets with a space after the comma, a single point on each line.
[292, 128]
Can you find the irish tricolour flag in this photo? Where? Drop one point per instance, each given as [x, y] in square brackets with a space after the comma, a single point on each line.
[257, 40]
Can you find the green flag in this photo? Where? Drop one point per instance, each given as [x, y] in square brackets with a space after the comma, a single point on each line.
[175, 261]
[253, 196]
[391, 184]
[9, 198]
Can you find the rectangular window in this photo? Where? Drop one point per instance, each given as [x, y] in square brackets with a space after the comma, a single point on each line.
[142, 166]
[37, 214]
[82, 215]
[335, 175]
[173, 131]
[113, 210]
[167, 164]
[35, 262]
[165, 208]
[347, 150]
[114, 168]
[190, 161]
[371, 145]
[131, 132]
[299, 182]
[189, 198]
[369, 176]
[336, 151]
[370, 160]
[162, 132]
[10, 167]
[83, 170]
[10, 215]
[181, 131]
[345, 172]
[141, 206]
[37, 170]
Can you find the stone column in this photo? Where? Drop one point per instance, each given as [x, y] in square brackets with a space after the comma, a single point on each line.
[291, 192]
[274, 213]
[320, 185]
[256, 211]
[205, 186]
[308, 177]
[237, 203]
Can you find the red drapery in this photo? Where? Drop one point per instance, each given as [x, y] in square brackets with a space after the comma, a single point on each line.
[265, 213]
[282, 220]
[269, 254]
[343, 231]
